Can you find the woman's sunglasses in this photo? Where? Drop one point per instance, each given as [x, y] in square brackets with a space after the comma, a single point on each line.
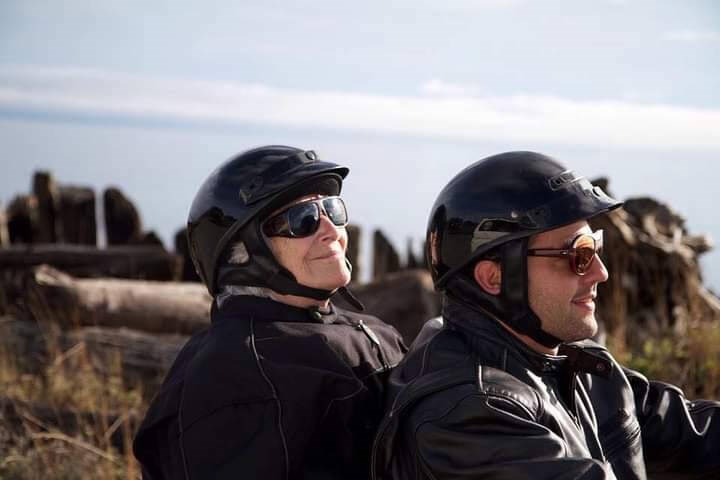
[303, 219]
[581, 253]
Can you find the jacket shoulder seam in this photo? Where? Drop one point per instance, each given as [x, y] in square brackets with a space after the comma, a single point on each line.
[532, 408]
[220, 408]
[423, 464]
[448, 411]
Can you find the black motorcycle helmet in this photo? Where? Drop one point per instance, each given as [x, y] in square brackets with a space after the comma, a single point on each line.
[489, 210]
[231, 205]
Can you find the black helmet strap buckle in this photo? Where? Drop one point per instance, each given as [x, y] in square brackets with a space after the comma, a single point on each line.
[514, 294]
[511, 305]
[285, 283]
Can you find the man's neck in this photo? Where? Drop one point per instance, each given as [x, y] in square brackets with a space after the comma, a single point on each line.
[538, 347]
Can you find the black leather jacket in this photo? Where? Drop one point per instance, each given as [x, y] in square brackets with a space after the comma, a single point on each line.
[471, 401]
[271, 391]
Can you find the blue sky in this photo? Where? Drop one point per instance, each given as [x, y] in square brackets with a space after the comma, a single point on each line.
[152, 95]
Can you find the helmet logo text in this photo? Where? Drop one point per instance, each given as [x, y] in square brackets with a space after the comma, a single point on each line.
[563, 180]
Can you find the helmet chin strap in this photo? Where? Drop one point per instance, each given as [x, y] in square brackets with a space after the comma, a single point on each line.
[263, 270]
[284, 282]
[511, 305]
[514, 294]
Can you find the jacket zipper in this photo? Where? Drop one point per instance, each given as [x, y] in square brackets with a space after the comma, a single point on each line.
[374, 340]
[573, 401]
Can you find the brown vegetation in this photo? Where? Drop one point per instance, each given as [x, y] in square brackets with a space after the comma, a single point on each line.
[62, 417]
[82, 353]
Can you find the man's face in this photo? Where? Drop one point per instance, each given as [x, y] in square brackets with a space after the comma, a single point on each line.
[318, 260]
[562, 300]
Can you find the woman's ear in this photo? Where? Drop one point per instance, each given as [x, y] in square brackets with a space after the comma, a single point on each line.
[488, 275]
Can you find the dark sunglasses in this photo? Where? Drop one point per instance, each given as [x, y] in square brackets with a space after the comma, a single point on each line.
[581, 253]
[303, 219]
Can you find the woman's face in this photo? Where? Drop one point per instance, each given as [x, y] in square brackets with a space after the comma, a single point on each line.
[316, 261]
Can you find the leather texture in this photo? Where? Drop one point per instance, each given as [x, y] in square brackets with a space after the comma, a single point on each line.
[471, 401]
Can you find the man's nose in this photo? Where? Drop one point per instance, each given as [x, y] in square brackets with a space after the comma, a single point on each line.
[598, 272]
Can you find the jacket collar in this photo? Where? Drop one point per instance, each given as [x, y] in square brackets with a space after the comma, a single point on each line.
[484, 331]
[267, 309]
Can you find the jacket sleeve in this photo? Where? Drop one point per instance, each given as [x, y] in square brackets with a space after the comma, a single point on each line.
[680, 437]
[484, 436]
[237, 441]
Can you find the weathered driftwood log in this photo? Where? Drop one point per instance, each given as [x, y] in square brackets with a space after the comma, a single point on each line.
[89, 354]
[353, 250]
[48, 204]
[655, 282]
[182, 248]
[131, 353]
[4, 238]
[151, 238]
[405, 300]
[152, 263]
[165, 307]
[77, 215]
[122, 220]
[53, 214]
[22, 219]
[385, 258]
[415, 259]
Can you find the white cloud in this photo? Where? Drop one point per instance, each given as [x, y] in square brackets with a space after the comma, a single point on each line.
[522, 119]
[442, 88]
[463, 5]
[693, 36]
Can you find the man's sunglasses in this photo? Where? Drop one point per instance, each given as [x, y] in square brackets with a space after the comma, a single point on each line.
[303, 219]
[581, 253]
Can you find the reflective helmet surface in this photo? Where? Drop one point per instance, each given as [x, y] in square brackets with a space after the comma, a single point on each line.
[231, 202]
[504, 197]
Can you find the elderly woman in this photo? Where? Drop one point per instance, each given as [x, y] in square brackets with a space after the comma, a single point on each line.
[283, 384]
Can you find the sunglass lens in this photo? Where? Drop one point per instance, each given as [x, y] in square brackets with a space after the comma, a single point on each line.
[335, 210]
[584, 253]
[303, 219]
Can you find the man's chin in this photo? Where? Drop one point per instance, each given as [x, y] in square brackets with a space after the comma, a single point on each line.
[587, 329]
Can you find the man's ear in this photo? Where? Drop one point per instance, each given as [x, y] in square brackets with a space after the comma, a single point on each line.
[488, 275]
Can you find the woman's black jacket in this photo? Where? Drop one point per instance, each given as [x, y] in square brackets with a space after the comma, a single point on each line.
[271, 391]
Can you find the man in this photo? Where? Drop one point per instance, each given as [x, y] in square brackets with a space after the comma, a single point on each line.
[508, 386]
[282, 384]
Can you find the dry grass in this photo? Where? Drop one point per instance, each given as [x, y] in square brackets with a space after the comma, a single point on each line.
[63, 418]
[690, 360]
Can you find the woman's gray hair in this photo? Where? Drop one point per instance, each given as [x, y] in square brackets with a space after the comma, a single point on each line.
[238, 254]
[232, 290]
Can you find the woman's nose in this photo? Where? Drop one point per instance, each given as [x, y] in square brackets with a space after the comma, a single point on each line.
[326, 229]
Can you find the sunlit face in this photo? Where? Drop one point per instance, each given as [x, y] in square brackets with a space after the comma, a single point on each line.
[562, 300]
[318, 260]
